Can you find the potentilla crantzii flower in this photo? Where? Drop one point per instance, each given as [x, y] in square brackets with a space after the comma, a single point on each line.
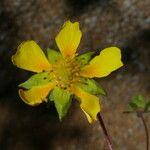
[65, 74]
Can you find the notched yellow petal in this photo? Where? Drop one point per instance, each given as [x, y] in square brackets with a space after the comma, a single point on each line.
[102, 65]
[89, 118]
[29, 56]
[68, 38]
[36, 95]
[89, 103]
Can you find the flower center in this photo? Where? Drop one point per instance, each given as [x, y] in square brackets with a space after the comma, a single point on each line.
[66, 72]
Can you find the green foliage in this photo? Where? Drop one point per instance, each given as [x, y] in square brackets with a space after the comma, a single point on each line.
[36, 80]
[91, 86]
[53, 55]
[85, 58]
[62, 100]
[139, 102]
[147, 107]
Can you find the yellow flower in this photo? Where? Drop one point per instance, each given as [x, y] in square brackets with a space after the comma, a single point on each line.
[65, 74]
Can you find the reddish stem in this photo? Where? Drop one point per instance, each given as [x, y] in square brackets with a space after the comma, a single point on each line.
[101, 121]
[146, 130]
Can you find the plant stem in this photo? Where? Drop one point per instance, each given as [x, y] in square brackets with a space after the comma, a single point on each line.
[101, 121]
[146, 131]
[131, 112]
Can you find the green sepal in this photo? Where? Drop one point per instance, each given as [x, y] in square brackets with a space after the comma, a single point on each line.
[91, 86]
[62, 101]
[53, 55]
[37, 79]
[85, 58]
[137, 102]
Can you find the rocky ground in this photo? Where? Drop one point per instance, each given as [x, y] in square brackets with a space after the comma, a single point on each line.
[123, 23]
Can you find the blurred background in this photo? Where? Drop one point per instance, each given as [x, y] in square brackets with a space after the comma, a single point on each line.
[104, 23]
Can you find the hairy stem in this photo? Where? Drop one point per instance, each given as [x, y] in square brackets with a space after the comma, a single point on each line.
[101, 121]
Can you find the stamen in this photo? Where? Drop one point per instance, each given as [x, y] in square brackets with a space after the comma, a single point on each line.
[66, 72]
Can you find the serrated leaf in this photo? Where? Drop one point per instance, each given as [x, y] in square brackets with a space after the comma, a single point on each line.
[91, 86]
[62, 100]
[85, 58]
[53, 55]
[36, 80]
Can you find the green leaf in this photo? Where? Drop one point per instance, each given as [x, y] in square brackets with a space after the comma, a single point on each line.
[84, 58]
[138, 102]
[91, 86]
[36, 80]
[132, 106]
[53, 55]
[62, 100]
[147, 107]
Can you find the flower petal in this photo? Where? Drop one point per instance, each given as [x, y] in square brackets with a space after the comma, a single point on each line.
[89, 103]
[68, 38]
[37, 94]
[103, 64]
[89, 118]
[29, 56]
